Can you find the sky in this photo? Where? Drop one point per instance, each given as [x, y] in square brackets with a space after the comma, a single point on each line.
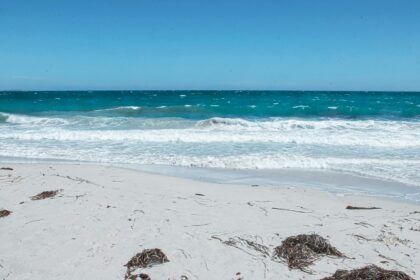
[194, 44]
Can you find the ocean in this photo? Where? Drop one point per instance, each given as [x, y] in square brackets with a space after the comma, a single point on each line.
[366, 134]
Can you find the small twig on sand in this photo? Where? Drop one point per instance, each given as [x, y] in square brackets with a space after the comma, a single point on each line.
[33, 221]
[134, 222]
[261, 208]
[291, 210]
[201, 225]
[358, 236]
[391, 259]
[245, 245]
[349, 207]
[76, 196]
[78, 179]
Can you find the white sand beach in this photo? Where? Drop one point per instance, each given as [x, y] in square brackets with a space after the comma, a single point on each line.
[103, 216]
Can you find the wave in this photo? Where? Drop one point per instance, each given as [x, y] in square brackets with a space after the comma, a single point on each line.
[370, 133]
[121, 109]
[212, 122]
[361, 139]
[282, 124]
[217, 123]
[83, 122]
[382, 148]
[31, 120]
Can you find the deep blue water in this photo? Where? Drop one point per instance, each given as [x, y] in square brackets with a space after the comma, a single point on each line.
[207, 104]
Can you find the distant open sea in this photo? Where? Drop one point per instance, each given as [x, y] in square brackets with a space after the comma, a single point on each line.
[372, 134]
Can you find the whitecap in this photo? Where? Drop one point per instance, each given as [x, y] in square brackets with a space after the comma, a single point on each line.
[31, 120]
[300, 107]
[120, 109]
[216, 122]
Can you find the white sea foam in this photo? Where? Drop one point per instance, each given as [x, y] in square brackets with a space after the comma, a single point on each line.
[31, 120]
[335, 132]
[301, 107]
[222, 121]
[120, 109]
[301, 136]
[403, 171]
[381, 148]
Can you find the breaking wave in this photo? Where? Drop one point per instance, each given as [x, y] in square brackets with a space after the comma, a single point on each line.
[385, 148]
[30, 120]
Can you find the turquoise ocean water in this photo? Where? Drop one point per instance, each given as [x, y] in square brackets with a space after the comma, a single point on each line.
[369, 134]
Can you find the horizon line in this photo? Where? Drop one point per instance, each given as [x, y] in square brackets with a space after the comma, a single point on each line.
[250, 90]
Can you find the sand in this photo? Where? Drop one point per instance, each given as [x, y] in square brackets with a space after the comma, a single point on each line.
[102, 216]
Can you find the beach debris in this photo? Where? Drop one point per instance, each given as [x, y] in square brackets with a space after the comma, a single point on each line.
[6, 168]
[248, 246]
[78, 180]
[391, 239]
[144, 276]
[387, 238]
[141, 276]
[45, 194]
[290, 210]
[5, 213]
[349, 207]
[368, 273]
[302, 250]
[146, 258]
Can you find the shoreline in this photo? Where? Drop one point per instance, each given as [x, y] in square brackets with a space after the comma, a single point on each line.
[102, 216]
[335, 182]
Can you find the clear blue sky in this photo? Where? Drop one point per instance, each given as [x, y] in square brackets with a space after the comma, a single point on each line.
[193, 44]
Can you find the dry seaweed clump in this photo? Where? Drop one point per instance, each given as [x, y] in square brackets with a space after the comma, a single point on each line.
[371, 272]
[5, 213]
[44, 195]
[146, 258]
[6, 168]
[141, 276]
[302, 250]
